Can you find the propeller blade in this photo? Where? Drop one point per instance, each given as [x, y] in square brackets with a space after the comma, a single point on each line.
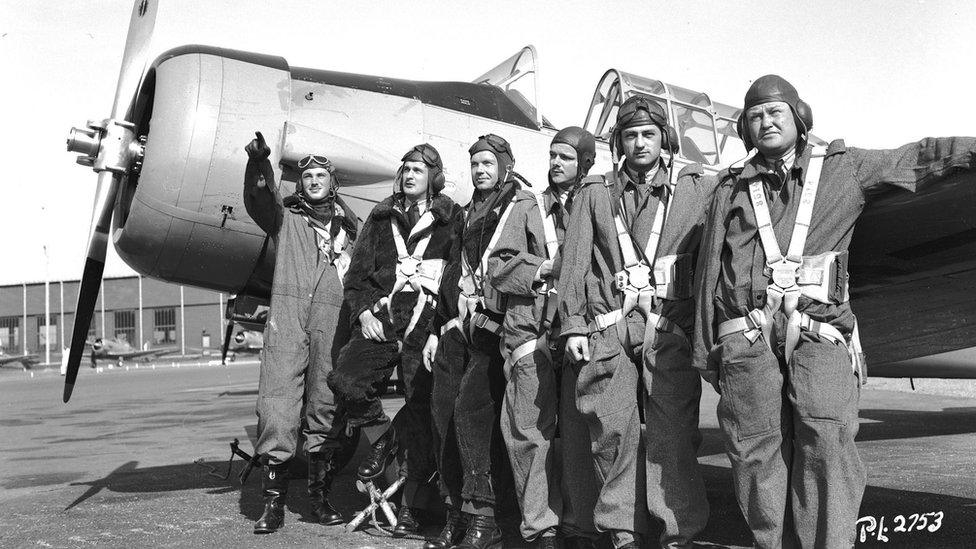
[135, 57]
[227, 335]
[91, 280]
[134, 60]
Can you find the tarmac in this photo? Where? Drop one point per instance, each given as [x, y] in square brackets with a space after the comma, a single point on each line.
[115, 466]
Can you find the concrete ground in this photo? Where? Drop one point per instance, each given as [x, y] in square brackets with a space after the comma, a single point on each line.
[115, 467]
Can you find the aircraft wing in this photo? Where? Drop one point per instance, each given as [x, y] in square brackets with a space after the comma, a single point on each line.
[143, 353]
[913, 270]
[23, 359]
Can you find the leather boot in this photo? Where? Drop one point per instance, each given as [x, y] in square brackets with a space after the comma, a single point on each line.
[274, 486]
[407, 523]
[578, 542]
[454, 528]
[321, 472]
[483, 533]
[380, 455]
[546, 542]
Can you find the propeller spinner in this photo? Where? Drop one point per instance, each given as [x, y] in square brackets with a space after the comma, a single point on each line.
[113, 150]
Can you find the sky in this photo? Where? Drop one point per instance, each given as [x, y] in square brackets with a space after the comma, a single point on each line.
[877, 73]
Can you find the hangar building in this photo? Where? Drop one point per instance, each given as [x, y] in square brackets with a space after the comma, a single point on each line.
[145, 312]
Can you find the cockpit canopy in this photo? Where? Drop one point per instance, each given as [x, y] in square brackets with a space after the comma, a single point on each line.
[516, 77]
[706, 129]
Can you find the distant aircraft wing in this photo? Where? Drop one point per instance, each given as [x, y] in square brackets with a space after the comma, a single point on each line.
[913, 270]
[22, 359]
[142, 353]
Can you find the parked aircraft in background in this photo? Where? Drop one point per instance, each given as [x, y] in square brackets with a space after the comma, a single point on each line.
[120, 350]
[169, 162]
[244, 342]
[25, 360]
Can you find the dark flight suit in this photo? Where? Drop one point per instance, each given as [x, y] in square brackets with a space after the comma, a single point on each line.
[301, 334]
[365, 366]
[607, 389]
[790, 422]
[469, 381]
[547, 498]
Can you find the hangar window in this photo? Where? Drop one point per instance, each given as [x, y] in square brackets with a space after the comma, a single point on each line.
[47, 332]
[164, 326]
[10, 334]
[125, 326]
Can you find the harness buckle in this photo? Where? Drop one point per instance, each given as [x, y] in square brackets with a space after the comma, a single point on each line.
[479, 320]
[784, 273]
[408, 265]
[637, 276]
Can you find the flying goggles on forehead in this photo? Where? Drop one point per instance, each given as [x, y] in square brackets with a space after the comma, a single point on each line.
[316, 159]
[427, 154]
[628, 110]
[498, 144]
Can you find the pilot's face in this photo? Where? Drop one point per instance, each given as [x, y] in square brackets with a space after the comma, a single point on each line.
[772, 128]
[316, 184]
[415, 179]
[642, 146]
[563, 165]
[484, 170]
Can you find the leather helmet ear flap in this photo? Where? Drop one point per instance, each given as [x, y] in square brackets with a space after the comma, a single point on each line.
[740, 128]
[804, 113]
[673, 143]
[437, 182]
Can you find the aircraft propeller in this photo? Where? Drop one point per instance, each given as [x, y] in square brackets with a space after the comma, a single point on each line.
[223, 350]
[113, 150]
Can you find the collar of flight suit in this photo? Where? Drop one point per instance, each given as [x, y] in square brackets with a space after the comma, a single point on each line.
[757, 165]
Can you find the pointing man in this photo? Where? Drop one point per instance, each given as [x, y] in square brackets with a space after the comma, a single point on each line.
[313, 232]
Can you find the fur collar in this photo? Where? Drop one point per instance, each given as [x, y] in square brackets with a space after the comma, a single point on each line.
[440, 206]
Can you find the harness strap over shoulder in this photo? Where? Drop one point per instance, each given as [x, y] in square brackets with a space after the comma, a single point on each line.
[548, 227]
[793, 275]
[635, 280]
[413, 272]
[471, 282]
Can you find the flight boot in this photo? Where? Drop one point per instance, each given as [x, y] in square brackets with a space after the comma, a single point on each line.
[578, 542]
[407, 522]
[483, 533]
[454, 528]
[381, 454]
[274, 486]
[321, 472]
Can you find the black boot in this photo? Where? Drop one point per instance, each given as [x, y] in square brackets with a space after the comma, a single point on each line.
[380, 456]
[483, 533]
[274, 485]
[454, 528]
[321, 472]
[407, 523]
[578, 542]
[546, 542]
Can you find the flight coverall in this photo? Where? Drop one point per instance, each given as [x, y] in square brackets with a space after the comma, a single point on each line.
[663, 467]
[789, 422]
[305, 326]
[364, 366]
[469, 381]
[547, 498]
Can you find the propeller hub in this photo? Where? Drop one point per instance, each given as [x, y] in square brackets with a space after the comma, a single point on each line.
[109, 145]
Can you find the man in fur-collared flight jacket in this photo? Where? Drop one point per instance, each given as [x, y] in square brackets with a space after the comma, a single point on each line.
[391, 289]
